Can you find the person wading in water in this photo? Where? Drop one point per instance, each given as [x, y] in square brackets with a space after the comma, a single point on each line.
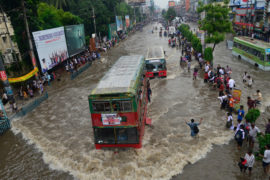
[194, 127]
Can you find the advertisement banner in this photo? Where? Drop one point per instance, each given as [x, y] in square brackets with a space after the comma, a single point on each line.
[127, 21]
[112, 31]
[119, 23]
[171, 3]
[75, 39]
[237, 95]
[242, 3]
[187, 5]
[110, 119]
[51, 47]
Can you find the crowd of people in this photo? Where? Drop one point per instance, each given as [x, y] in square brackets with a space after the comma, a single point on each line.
[220, 78]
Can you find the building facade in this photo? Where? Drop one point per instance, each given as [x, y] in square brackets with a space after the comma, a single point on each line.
[7, 46]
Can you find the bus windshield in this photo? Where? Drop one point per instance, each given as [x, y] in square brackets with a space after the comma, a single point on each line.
[155, 65]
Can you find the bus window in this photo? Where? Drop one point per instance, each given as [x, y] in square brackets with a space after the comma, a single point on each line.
[104, 135]
[262, 57]
[126, 135]
[121, 105]
[268, 57]
[101, 106]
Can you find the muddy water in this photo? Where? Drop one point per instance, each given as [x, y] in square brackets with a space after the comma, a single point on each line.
[59, 131]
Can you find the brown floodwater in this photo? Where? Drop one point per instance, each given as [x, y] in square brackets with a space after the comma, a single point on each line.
[55, 141]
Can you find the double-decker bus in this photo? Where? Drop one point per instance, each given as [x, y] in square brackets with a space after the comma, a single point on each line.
[254, 51]
[118, 104]
[155, 63]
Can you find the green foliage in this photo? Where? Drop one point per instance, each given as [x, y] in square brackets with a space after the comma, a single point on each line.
[170, 14]
[60, 4]
[208, 54]
[195, 41]
[50, 17]
[252, 115]
[263, 141]
[216, 22]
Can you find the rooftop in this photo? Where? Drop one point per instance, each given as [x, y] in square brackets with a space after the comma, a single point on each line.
[155, 53]
[121, 78]
[256, 42]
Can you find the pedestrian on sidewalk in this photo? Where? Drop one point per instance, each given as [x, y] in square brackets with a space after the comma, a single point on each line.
[266, 159]
[251, 103]
[267, 127]
[194, 127]
[195, 73]
[240, 114]
[231, 103]
[240, 136]
[253, 131]
[250, 158]
[149, 93]
[229, 123]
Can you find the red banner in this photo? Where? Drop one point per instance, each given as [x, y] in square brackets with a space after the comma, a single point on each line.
[187, 5]
[171, 3]
[3, 75]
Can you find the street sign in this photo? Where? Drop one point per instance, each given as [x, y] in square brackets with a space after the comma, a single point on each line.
[3, 75]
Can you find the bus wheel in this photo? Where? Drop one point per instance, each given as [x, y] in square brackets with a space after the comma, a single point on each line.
[239, 57]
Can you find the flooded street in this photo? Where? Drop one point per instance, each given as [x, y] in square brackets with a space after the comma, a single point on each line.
[55, 141]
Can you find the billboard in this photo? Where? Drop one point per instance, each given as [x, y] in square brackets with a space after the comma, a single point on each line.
[75, 39]
[187, 5]
[51, 47]
[119, 23]
[243, 3]
[171, 3]
[136, 2]
[112, 31]
[127, 21]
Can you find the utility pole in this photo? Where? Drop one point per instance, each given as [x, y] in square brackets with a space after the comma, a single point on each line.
[94, 18]
[31, 50]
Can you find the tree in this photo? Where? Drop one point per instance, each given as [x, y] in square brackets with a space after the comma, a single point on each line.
[252, 115]
[59, 4]
[170, 14]
[216, 22]
[208, 54]
[50, 17]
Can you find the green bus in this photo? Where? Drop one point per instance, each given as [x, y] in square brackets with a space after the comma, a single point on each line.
[118, 104]
[254, 51]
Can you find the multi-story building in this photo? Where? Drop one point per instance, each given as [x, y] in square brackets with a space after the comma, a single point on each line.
[7, 45]
[249, 18]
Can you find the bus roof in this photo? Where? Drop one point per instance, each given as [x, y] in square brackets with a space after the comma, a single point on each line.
[122, 77]
[155, 53]
[254, 42]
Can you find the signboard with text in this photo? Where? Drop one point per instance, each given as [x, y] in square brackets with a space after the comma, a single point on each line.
[119, 23]
[111, 119]
[51, 47]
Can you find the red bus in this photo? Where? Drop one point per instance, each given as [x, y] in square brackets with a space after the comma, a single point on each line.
[155, 63]
[118, 105]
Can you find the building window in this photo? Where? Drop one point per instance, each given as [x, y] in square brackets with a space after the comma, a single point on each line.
[4, 38]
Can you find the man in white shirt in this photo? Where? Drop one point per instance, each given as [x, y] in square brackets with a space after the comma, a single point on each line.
[231, 83]
[206, 68]
[266, 159]
[253, 131]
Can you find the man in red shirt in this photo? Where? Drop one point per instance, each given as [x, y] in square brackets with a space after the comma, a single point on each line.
[250, 103]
